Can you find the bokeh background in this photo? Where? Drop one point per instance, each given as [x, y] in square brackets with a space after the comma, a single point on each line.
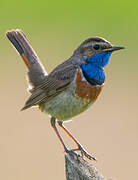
[29, 149]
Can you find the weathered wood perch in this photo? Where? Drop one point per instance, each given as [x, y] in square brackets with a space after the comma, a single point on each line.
[79, 169]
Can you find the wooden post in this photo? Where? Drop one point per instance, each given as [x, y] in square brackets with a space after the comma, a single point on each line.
[79, 169]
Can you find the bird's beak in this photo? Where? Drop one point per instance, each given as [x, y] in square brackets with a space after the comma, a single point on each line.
[114, 48]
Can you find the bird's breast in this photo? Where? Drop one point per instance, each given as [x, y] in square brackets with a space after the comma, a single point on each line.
[74, 100]
[84, 90]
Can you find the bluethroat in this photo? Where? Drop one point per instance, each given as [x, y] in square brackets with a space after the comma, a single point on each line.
[72, 87]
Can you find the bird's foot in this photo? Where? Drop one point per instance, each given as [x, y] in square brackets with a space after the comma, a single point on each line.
[84, 152]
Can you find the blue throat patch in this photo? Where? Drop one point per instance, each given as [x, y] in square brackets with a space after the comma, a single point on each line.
[93, 70]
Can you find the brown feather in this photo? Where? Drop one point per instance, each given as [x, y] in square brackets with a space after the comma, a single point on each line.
[51, 86]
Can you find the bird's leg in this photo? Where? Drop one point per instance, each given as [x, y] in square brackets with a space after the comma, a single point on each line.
[80, 148]
[53, 123]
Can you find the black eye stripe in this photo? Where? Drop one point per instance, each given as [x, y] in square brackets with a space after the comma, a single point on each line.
[96, 46]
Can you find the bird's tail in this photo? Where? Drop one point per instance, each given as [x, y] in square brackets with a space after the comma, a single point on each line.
[36, 71]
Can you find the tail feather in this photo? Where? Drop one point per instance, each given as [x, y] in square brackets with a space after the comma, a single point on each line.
[36, 71]
[14, 41]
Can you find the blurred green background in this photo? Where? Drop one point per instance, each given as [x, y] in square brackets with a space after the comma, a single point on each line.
[29, 149]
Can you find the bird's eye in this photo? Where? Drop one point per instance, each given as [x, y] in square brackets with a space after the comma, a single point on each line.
[96, 46]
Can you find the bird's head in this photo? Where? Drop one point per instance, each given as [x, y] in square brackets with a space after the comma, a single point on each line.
[97, 51]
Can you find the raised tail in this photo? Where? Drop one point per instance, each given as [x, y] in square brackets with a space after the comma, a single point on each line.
[36, 71]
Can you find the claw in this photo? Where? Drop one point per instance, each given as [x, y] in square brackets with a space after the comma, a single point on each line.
[66, 150]
[84, 152]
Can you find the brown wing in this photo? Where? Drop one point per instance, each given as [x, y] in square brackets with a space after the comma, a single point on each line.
[53, 84]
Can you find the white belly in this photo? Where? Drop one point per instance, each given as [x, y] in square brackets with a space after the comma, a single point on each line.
[65, 105]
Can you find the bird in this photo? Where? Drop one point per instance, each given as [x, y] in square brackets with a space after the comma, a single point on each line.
[72, 87]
